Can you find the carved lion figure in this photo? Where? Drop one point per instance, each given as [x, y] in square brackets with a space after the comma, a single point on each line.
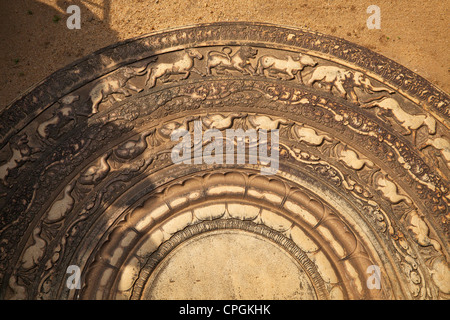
[239, 61]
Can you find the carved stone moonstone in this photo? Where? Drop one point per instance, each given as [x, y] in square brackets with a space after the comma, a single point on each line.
[87, 177]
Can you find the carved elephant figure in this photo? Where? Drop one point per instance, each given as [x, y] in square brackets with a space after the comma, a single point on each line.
[289, 66]
[345, 81]
[115, 83]
[411, 123]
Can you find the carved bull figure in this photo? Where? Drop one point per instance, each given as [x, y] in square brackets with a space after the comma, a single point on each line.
[289, 66]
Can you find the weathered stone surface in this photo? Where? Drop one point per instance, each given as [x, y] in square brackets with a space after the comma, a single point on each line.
[87, 177]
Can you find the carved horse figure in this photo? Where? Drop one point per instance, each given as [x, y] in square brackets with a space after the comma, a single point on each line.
[115, 83]
[345, 81]
[185, 65]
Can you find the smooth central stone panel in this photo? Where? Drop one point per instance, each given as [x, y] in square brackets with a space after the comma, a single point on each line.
[229, 264]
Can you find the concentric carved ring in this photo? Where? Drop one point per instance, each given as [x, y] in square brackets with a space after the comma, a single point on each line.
[87, 177]
[140, 288]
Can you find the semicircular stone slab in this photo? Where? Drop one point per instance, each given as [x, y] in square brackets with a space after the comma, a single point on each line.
[227, 161]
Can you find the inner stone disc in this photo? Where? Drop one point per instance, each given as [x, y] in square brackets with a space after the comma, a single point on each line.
[229, 264]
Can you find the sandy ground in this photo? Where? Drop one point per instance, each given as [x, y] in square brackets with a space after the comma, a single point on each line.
[35, 42]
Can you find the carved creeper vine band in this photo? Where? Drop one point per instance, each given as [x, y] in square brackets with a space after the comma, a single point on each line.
[255, 141]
